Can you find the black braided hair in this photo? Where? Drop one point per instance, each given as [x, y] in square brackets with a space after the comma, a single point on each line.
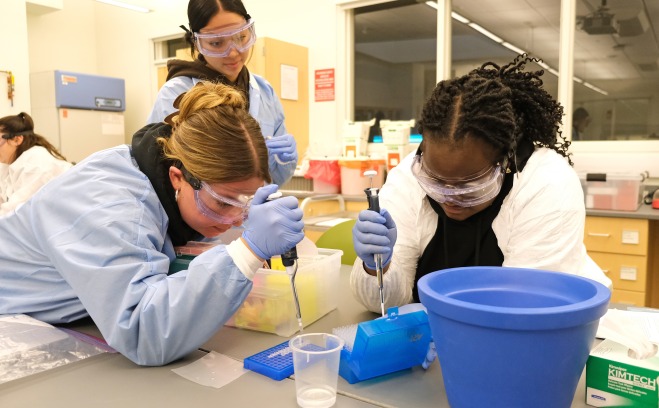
[504, 106]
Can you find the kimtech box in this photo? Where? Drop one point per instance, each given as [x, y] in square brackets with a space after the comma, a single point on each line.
[614, 379]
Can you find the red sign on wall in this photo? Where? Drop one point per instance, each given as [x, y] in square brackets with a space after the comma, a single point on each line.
[324, 85]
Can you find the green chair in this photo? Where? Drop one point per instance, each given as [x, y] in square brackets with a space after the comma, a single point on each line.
[340, 237]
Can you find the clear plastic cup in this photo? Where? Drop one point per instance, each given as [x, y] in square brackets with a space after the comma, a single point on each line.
[316, 359]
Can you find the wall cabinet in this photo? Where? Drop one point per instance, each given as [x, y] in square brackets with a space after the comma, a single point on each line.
[624, 249]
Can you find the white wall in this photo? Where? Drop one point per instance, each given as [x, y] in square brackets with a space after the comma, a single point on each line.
[64, 39]
[14, 56]
[95, 38]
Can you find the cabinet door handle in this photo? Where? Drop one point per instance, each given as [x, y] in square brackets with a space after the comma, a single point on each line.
[598, 234]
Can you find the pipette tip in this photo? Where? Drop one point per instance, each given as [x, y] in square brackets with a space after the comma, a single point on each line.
[299, 323]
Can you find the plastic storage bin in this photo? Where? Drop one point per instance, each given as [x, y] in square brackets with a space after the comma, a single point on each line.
[353, 181]
[269, 307]
[612, 191]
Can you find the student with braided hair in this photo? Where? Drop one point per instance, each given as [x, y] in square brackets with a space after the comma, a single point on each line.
[27, 161]
[491, 184]
[98, 241]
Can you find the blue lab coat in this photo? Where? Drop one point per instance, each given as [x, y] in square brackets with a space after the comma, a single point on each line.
[94, 242]
[264, 106]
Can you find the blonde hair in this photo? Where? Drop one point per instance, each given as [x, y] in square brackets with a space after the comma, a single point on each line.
[215, 138]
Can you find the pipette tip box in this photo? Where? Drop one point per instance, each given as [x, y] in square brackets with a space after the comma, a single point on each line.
[275, 362]
[384, 345]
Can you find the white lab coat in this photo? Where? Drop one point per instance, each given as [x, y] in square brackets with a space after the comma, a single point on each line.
[94, 242]
[540, 225]
[26, 175]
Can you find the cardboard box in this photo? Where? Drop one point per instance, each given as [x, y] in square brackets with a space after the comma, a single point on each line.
[355, 138]
[614, 379]
[612, 191]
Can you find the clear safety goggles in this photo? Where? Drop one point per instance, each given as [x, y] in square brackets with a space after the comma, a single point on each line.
[465, 192]
[220, 44]
[221, 209]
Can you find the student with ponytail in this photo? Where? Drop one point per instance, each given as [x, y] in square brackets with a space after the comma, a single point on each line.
[98, 240]
[27, 161]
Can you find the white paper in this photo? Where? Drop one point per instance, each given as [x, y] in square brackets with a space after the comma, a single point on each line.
[289, 82]
[213, 370]
[639, 331]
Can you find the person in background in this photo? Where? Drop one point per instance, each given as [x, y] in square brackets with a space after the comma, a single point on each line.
[222, 34]
[580, 121]
[27, 161]
[98, 240]
[491, 184]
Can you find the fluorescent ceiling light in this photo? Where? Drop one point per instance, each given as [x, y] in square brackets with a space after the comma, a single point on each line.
[594, 88]
[510, 46]
[513, 48]
[460, 18]
[125, 5]
[485, 32]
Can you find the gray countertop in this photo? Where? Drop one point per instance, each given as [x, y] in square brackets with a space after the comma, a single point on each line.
[644, 212]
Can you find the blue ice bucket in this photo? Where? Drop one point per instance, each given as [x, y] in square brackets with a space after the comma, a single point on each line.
[511, 337]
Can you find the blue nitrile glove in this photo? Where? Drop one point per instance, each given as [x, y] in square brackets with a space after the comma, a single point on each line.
[284, 147]
[372, 234]
[274, 226]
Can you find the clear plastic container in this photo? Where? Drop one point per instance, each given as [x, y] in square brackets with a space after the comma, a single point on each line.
[269, 307]
[612, 191]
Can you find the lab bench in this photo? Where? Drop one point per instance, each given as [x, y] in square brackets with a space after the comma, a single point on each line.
[111, 380]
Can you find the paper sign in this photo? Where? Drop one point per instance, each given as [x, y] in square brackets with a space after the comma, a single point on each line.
[289, 82]
[324, 85]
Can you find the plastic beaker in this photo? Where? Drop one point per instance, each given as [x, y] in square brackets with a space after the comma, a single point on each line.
[316, 359]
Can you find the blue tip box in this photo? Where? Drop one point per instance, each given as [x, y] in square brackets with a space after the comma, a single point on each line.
[275, 362]
[386, 345]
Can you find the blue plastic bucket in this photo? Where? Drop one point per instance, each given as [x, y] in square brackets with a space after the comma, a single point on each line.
[511, 337]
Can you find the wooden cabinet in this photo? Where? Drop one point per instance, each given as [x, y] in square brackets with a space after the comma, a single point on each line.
[620, 246]
[276, 61]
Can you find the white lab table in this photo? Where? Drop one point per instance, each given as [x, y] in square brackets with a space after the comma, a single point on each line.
[415, 388]
[111, 380]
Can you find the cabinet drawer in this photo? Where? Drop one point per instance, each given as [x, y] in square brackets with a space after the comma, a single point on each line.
[628, 297]
[617, 235]
[628, 272]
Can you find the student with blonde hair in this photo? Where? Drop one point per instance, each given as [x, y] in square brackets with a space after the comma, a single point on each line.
[98, 241]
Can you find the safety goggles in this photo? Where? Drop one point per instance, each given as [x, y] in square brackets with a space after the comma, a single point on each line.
[465, 192]
[221, 209]
[220, 44]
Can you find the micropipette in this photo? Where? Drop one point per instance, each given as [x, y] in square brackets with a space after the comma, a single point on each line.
[372, 195]
[289, 260]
